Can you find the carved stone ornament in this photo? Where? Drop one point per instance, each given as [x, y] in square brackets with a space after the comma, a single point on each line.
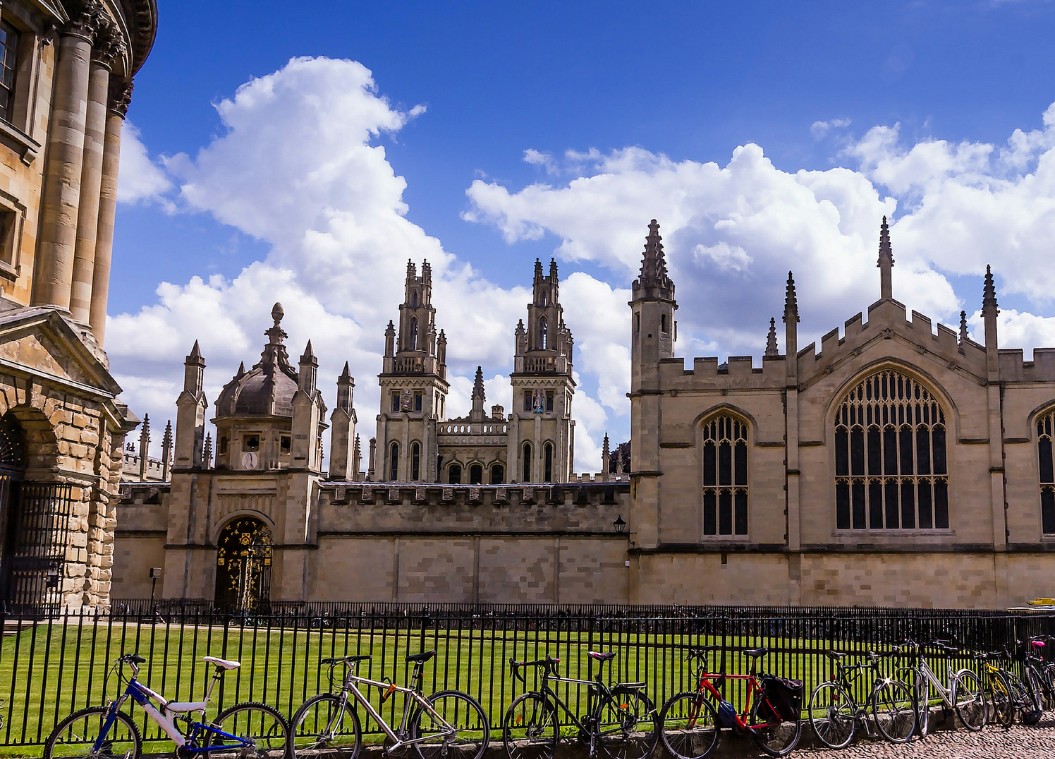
[538, 403]
[120, 96]
[86, 19]
[406, 400]
[108, 47]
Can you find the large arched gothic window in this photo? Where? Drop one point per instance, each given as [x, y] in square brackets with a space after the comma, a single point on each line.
[890, 458]
[1046, 452]
[724, 476]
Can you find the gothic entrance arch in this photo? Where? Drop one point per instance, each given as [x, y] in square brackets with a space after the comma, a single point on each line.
[243, 566]
[35, 528]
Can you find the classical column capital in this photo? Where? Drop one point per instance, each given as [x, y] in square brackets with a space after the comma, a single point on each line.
[108, 47]
[120, 96]
[86, 20]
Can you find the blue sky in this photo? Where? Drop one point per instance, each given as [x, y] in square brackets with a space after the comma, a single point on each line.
[305, 157]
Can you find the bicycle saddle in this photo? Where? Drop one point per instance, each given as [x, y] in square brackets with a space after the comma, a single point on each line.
[424, 656]
[600, 656]
[221, 663]
[754, 653]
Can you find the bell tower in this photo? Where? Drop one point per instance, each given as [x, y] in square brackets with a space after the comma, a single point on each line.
[413, 386]
[541, 444]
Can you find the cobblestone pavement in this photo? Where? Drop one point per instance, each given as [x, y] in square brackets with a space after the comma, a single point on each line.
[1020, 742]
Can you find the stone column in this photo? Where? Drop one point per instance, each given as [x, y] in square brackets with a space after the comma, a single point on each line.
[65, 152]
[120, 96]
[106, 50]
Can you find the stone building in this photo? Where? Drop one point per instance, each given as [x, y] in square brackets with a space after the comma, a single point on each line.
[66, 72]
[478, 508]
[897, 465]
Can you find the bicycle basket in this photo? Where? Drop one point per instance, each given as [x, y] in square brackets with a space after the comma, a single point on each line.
[783, 695]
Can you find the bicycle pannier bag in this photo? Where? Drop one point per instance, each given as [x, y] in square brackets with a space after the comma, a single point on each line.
[784, 695]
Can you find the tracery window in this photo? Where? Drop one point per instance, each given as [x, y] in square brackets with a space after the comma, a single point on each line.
[890, 456]
[724, 476]
[1046, 452]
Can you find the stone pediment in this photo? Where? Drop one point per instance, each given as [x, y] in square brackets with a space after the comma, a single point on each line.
[889, 334]
[42, 342]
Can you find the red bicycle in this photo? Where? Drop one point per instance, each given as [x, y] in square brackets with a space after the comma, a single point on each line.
[772, 710]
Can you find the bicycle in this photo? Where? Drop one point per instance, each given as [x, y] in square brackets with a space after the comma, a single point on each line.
[835, 713]
[963, 694]
[620, 720]
[1033, 677]
[691, 723]
[1004, 691]
[241, 731]
[446, 725]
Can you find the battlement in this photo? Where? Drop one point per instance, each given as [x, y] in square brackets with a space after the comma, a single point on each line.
[1013, 368]
[130, 468]
[143, 493]
[579, 493]
[738, 370]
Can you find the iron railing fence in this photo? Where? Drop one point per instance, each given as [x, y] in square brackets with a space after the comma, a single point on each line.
[50, 667]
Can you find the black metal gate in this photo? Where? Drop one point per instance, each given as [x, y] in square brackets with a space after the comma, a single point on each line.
[35, 553]
[243, 567]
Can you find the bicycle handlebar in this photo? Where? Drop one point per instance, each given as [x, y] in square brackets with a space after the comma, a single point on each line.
[549, 664]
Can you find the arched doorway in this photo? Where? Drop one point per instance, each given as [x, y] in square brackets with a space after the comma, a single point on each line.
[35, 526]
[243, 567]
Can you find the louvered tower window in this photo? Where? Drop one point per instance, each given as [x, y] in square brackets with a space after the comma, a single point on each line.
[890, 456]
[724, 476]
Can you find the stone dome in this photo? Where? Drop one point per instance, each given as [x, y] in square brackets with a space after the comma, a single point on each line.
[268, 388]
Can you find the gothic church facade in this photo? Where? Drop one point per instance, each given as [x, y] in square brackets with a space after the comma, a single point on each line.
[899, 464]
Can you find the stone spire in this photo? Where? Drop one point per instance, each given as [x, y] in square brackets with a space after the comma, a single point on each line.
[144, 446]
[606, 459]
[654, 263]
[771, 339]
[343, 440]
[791, 329]
[190, 414]
[390, 339]
[166, 451]
[886, 262]
[207, 455]
[478, 396]
[357, 459]
[963, 327]
[989, 313]
[309, 367]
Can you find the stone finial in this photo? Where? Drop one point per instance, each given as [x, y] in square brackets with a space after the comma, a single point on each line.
[885, 262]
[771, 339]
[166, 451]
[309, 355]
[553, 269]
[989, 293]
[412, 270]
[276, 334]
[538, 270]
[963, 327]
[241, 370]
[207, 455]
[426, 273]
[478, 385]
[653, 260]
[194, 357]
[357, 459]
[604, 446]
[791, 303]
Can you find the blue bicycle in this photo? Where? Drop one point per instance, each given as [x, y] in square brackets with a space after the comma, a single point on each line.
[244, 731]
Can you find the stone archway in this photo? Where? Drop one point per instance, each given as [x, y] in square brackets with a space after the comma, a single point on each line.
[243, 567]
[34, 525]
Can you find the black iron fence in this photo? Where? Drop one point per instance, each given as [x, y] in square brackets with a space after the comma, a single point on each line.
[51, 667]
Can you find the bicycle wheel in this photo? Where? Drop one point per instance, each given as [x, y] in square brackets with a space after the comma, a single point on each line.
[258, 724]
[1032, 715]
[1001, 707]
[627, 724]
[774, 738]
[324, 727]
[968, 699]
[529, 728]
[832, 715]
[921, 697]
[689, 726]
[894, 711]
[457, 730]
[77, 734]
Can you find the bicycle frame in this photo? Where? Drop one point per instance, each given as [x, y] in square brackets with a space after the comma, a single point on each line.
[754, 688]
[411, 698]
[146, 698]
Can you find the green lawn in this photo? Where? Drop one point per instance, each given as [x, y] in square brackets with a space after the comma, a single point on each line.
[48, 671]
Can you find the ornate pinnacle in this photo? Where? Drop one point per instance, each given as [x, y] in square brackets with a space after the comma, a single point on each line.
[478, 385]
[346, 375]
[886, 253]
[771, 340]
[195, 354]
[207, 454]
[791, 303]
[653, 262]
[166, 439]
[989, 293]
[604, 446]
[276, 334]
[963, 327]
[309, 354]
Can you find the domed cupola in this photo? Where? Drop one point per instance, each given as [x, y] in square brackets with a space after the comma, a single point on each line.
[268, 388]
